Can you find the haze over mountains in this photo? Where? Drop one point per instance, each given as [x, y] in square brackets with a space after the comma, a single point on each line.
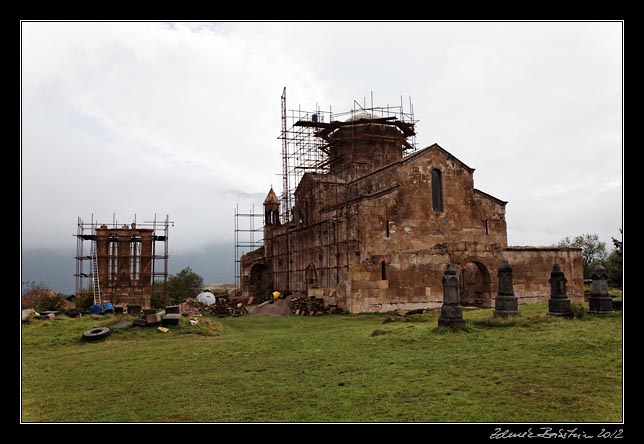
[56, 268]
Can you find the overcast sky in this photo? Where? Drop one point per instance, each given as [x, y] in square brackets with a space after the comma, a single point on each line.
[183, 118]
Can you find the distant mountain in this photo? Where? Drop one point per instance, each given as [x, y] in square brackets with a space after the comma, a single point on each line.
[214, 263]
[55, 268]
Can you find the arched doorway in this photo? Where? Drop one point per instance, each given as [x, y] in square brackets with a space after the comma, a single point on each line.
[261, 284]
[475, 284]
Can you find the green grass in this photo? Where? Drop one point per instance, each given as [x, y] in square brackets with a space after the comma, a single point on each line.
[536, 368]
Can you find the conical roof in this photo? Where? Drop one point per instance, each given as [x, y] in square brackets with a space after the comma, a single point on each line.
[271, 198]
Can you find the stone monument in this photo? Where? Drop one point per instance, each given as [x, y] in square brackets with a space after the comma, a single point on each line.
[506, 304]
[452, 310]
[559, 304]
[599, 301]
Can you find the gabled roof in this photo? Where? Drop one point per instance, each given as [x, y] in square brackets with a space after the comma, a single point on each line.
[271, 198]
[489, 196]
[442, 150]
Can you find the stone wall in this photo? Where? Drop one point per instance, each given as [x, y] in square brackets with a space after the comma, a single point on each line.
[124, 257]
[377, 242]
[531, 267]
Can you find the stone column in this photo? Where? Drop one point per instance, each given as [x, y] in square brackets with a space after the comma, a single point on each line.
[506, 304]
[559, 304]
[599, 301]
[452, 310]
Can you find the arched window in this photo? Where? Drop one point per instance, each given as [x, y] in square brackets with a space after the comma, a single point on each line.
[113, 257]
[437, 190]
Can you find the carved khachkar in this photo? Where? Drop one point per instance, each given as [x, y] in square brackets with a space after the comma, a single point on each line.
[506, 304]
[452, 310]
[599, 301]
[559, 304]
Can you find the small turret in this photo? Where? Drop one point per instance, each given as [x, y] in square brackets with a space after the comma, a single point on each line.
[272, 209]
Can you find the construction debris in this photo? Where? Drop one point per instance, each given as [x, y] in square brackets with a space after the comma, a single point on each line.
[279, 307]
[151, 316]
[189, 308]
[163, 329]
[311, 306]
[222, 308]
[29, 314]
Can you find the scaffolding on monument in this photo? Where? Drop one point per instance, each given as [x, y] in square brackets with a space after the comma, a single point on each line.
[87, 280]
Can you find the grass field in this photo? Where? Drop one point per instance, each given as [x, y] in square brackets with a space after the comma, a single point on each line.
[332, 368]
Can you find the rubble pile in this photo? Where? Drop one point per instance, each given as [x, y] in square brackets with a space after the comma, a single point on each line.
[311, 306]
[222, 308]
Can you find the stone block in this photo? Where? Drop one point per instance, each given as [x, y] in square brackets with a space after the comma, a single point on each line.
[153, 318]
[599, 305]
[171, 319]
[173, 309]
[559, 307]
[134, 309]
[506, 303]
[506, 314]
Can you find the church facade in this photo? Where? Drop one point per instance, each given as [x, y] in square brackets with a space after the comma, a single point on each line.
[376, 232]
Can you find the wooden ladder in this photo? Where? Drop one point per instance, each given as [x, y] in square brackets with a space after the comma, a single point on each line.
[97, 286]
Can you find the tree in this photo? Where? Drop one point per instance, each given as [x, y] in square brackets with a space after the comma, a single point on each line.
[183, 285]
[592, 250]
[614, 263]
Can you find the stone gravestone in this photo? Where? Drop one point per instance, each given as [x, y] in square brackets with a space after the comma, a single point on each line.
[452, 310]
[559, 304]
[506, 304]
[599, 301]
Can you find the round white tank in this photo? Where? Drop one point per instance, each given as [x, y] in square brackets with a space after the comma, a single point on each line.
[206, 298]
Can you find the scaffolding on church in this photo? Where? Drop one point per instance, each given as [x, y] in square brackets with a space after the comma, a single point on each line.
[305, 144]
[248, 236]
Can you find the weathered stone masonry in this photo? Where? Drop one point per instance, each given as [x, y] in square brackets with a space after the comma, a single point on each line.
[378, 230]
[124, 257]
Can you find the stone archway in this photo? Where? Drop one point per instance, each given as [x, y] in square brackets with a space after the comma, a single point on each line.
[475, 284]
[260, 282]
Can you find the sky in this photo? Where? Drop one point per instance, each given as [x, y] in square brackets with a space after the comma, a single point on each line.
[137, 119]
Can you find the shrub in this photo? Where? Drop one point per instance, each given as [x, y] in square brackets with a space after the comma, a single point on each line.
[578, 310]
[49, 302]
[185, 284]
[159, 300]
[84, 301]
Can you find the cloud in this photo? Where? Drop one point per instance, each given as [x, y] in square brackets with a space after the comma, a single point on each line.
[183, 118]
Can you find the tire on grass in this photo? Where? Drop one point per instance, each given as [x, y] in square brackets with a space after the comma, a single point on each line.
[96, 333]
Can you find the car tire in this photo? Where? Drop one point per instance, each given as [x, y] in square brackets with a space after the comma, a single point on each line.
[96, 333]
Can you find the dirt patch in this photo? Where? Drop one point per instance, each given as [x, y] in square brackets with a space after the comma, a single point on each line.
[280, 307]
